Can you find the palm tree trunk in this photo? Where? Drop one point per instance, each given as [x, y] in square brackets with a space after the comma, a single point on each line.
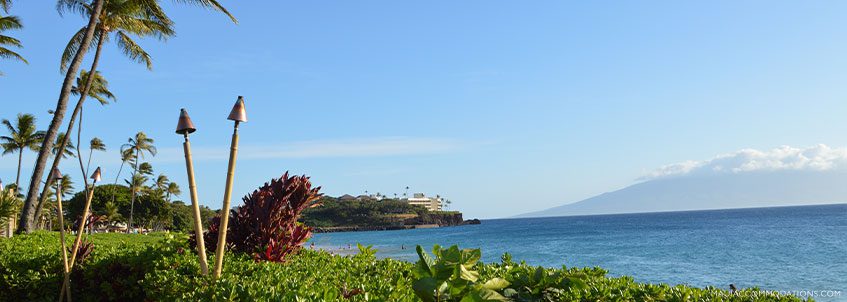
[77, 111]
[26, 223]
[90, 154]
[132, 190]
[114, 189]
[18, 178]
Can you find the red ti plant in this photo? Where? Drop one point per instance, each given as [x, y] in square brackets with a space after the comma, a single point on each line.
[266, 225]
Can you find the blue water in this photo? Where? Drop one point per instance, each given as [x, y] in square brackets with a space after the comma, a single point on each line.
[785, 248]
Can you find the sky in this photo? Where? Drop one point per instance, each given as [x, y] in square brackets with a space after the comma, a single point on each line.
[503, 107]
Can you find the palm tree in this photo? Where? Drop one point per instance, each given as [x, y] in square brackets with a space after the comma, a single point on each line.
[95, 144]
[110, 211]
[98, 90]
[145, 168]
[140, 144]
[7, 23]
[160, 186]
[162, 182]
[9, 204]
[80, 43]
[126, 156]
[137, 187]
[137, 183]
[22, 135]
[173, 188]
[31, 205]
[67, 151]
[67, 186]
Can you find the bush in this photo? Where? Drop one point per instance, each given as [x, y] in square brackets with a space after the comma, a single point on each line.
[266, 225]
[160, 267]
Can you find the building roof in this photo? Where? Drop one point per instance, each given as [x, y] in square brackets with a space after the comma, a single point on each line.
[347, 197]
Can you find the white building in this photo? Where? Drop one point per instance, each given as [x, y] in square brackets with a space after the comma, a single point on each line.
[430, 203]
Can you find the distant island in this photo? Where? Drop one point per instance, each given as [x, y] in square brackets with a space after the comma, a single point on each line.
[378, 212]
[713, 191]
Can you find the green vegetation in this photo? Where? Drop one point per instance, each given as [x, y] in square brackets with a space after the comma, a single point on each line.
[334, 212]
[161, 267]
[106, 20]
[7, 23]
[111, 204]
[22, 136]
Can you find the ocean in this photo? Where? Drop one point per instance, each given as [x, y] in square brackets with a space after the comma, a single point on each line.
[800, 249]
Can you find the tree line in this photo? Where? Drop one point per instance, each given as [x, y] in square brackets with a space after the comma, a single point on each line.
[119, 21]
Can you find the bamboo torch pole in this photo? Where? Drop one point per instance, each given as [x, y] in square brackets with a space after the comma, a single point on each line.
[96, 177]
[239, 115]
[66, 284]
[185, 127]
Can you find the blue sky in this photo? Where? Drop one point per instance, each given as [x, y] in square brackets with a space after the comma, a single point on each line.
[503, 107]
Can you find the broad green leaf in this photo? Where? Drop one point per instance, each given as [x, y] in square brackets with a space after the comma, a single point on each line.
[466, 274]
[471, 257]
[490, 295]
[425, 289]
[496, 284]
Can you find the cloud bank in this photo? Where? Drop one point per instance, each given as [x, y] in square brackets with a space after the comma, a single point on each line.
[814, 158]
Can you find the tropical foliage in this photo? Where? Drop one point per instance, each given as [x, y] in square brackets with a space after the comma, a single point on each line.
[22, 136]
[139, 144]
[9, 23]
[9, 206]
[99, 89]
[266, 225]
[111, 203]
[161, 267]
[120, 20]
[334, 212]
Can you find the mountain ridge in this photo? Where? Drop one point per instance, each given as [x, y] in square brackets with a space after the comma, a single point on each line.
[712, 192]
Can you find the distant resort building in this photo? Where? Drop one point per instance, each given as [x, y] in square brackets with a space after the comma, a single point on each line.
[419, 199]
[430, 203]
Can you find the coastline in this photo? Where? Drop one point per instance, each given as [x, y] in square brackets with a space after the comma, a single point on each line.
[356, 228]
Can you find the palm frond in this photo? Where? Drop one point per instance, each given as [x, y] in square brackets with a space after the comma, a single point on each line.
[10, 22]
[98, 89]
[9, 127]
[97, 144]
[210, 4]
[73, 47]
[6, 53]
[6, 40]
[73, 6]
[133, 50]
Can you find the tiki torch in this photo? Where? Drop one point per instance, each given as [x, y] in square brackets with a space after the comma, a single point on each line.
[95, 177]
[185, 127]
[238, 115]
[66, 283]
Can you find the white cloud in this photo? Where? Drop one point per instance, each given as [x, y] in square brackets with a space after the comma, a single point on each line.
[365, 147]
[815, 158]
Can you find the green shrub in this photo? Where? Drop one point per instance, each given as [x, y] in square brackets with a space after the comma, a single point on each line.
[161, 267]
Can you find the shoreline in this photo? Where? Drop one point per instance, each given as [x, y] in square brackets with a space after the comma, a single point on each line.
[355, 228]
